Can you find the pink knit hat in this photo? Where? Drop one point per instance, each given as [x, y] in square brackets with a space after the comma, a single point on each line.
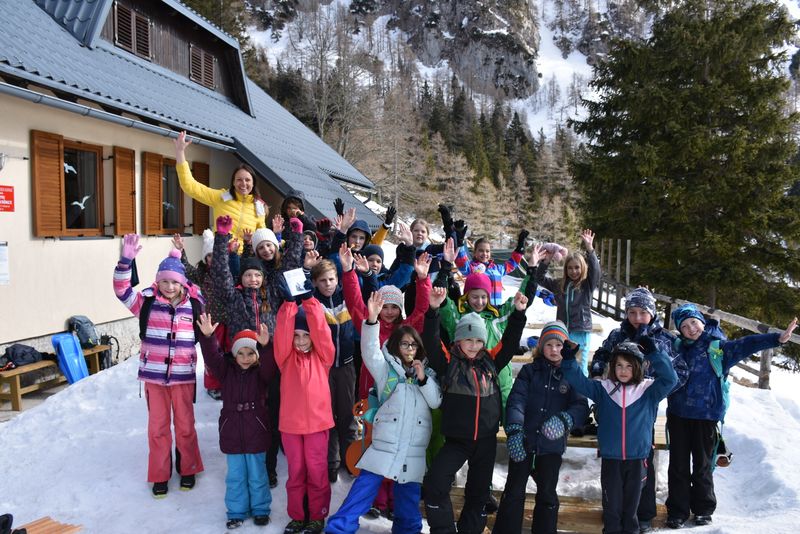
[478, 281]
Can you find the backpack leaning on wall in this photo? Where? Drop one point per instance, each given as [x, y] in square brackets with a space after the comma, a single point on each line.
[85, 330]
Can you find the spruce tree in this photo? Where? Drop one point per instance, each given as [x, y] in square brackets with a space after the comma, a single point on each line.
[689, 155]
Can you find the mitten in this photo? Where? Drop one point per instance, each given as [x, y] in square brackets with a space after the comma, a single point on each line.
[296, 225]
[556, 250]
[390, 213]
[461, 232]
[447, 218]
[516, 443]
[130, 246]
[558, 425]
[523, 235]
[569, 350]
[338, 205]
[598, 368]
[309, 287]
[647, 344]
[224, 224]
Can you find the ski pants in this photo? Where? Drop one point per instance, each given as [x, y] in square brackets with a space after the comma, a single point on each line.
[690, 476]
[479, 454]
[342, 382]
[544, 469]
[582, 339]
[246, 486]
[407, 517]
[621, 482]
[308, 475]
[167, 405]
[647, 503]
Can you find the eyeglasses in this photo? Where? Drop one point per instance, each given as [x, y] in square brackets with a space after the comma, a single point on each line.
[406, 345]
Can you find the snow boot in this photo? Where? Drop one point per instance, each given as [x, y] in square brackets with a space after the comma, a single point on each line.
[701, 520]
[314, 527]
[160, 490]
[295, 526]
[187, 482]
[674, 522]
[233, 523]
[261, 520]
[372, 513]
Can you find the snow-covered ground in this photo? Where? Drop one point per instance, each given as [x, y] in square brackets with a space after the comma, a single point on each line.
[81, 457]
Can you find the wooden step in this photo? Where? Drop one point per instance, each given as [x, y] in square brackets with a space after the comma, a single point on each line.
[47, 525]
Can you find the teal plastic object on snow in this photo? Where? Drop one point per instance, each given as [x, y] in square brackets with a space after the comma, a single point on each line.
[70, 357]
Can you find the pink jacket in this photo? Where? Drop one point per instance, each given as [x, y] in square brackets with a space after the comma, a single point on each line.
[305, 393]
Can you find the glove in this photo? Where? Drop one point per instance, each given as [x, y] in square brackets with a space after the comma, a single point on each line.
[647, 344]
[556, 250]
[130, 246]
[447, 219]
[516, 443]
[296, 225]
[338, 205]
[598, 368]
[309, 287]
[324, 226]
[224, 224]
[523, 235]
[569, 350]
[390, 213]
[558, 425]
[461, 232]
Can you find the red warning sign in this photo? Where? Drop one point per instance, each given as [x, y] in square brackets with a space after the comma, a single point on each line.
[6, 198]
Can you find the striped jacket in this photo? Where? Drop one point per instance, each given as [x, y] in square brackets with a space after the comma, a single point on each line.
[168, 356]
[494, 271]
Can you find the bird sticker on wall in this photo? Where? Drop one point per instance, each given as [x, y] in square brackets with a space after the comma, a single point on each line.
[69, 168]
[82, 203]
[168, 205]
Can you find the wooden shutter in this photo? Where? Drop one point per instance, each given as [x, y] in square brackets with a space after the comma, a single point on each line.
[123, 31]
[124, 191]
[195, 63]
[151, 198]
[47, 176]
[208, 70]
[142, 36]
[200, 212]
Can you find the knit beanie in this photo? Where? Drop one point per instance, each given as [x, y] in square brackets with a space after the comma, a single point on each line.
[553, 330]
[313, 235]
[392, 295]
[171, 268]
[478, 281]
[300, 322]
[245, 338]
[208, 242]
[250, 264]
[263, 234]
[641, 298]
[371, 250]
[470, 326]
[687, 311]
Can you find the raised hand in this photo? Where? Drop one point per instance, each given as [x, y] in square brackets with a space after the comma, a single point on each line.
[520, 301]
[233, 245]
[587, 236]
[348, 219]
[338, 205]
[646, 344]
[437, 296]
[247, 235]
[536, 254]
[324, 226]
[277, 223]
[461, 232]
[569, 350]
[523, 235]
[181, 142]
[205, 324]
[130, 246]
[403, 233]
[390, 214]
[374, 306]
[177, 241]
[788, 332]
[422, 265]
[224, 224]
[449, 250]
[296, 225]
[312, 258]
[337, 222]
[263, 335]
[362, 265]
[346, 258]
[447, 218]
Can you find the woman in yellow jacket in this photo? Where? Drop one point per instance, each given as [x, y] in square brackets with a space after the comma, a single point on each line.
[241, 202]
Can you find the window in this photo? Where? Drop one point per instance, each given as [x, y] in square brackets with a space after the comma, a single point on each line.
[131, 30]
[163, 197]
[201, 66]
[171, 199]
[67, 181]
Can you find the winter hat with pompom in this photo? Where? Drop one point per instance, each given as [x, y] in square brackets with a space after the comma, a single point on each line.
[208, 242]
[171, 268]
[245, 338]
[392, 295]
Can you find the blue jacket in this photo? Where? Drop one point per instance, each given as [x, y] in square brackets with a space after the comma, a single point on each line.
[625, 413]
[540, 391]
[701, 396]
[343, 331]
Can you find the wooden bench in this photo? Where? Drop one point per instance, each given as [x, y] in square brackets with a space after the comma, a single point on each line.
[16, 390]
[47, 525]
[576, 515]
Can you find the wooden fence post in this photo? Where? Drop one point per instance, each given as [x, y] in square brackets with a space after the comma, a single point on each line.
[764, 369]
[628, 263]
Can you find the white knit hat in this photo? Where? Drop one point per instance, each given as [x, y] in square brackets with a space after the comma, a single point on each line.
[208, 242]
[263, 234]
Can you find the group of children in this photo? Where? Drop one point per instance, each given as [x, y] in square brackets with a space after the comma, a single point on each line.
[290, 365]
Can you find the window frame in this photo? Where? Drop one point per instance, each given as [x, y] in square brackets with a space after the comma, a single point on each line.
[99, 197]
[170, 162]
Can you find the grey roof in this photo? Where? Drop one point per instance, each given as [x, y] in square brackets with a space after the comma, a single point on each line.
[35, 48]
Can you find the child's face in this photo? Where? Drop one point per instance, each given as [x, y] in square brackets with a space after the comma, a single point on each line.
[375, 263]
[246, 357]
[390, 312]
[692, 328]
[408, 348]
[308, 243]
[252, 279]
[292, 209]
[326, 283]
[551, 350]
[624, 370]
[478, 299]
[470, 347]
[419, 234]
[302, 340]
[483, 253]
[170, 289]
[574, 270]
[638, 316]
[356, 239]
[266, 250]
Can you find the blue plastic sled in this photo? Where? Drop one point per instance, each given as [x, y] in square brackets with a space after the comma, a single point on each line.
[70, 357]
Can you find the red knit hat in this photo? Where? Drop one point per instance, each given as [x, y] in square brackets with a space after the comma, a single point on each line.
[478, 281]
[245, 338]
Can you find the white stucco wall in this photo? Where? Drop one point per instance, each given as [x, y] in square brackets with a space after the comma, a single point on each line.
[52, 279]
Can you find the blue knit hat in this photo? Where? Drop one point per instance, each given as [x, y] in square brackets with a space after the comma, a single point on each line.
[371, 250]
[171, 268]
[300, 322]
[641, 298]
[687, 311]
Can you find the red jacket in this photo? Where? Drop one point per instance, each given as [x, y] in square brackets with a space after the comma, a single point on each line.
[305, 393]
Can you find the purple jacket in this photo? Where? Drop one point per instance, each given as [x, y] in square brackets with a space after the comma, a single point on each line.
[243, 420]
